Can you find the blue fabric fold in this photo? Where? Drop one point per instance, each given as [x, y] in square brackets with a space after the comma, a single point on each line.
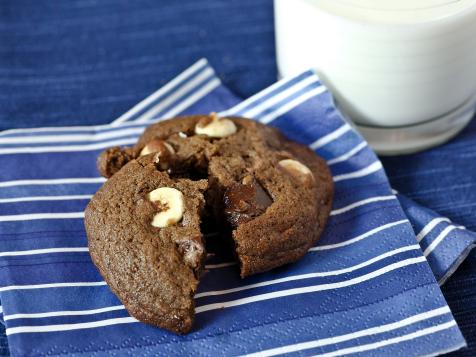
[365, 287]
[444, 243]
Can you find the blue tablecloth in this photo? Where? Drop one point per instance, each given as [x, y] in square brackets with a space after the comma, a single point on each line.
[88, 61]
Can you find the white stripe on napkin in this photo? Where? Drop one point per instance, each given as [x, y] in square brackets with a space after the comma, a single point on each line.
[35, 216]
[44, 251]
[52, 285]
[391, 341]
[72, 137]
[69, 327]
[274, 100]
[266, 119]
[439, 238]
[54, 129]
[40, 315]
[429, 227]
[353, 335]
[45, 198]
[348, 154]
[330, 137]
[199, 80]
[63, 181]
[263, 93]
[182, 77]
[362, 203]
[192, 99]
[359, 237]
[67, 148]
[310, 275]
[310, 289]
[372, 168]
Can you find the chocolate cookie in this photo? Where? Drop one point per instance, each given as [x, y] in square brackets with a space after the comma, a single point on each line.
[144, 236]
[274, 196]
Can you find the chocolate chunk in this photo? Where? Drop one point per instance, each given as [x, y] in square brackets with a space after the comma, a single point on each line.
[244, 201]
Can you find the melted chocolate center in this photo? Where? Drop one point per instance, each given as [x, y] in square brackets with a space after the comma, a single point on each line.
[244, 201]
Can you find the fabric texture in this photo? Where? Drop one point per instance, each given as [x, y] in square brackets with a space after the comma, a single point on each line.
[365, 287]
[88, 61]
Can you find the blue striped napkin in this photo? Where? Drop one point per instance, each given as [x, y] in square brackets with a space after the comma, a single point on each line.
[365, 288]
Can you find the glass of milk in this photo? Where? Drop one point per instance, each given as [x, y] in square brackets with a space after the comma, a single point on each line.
[404, 71]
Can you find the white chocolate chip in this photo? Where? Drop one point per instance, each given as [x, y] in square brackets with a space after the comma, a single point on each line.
[145, 151]
[296, 170]
[182, 134]
[215, 127]
[164, 152]
[171, 203]
[157, 145]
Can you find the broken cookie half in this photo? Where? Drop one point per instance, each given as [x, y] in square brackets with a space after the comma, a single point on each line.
[271, 195]
[144, 237]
